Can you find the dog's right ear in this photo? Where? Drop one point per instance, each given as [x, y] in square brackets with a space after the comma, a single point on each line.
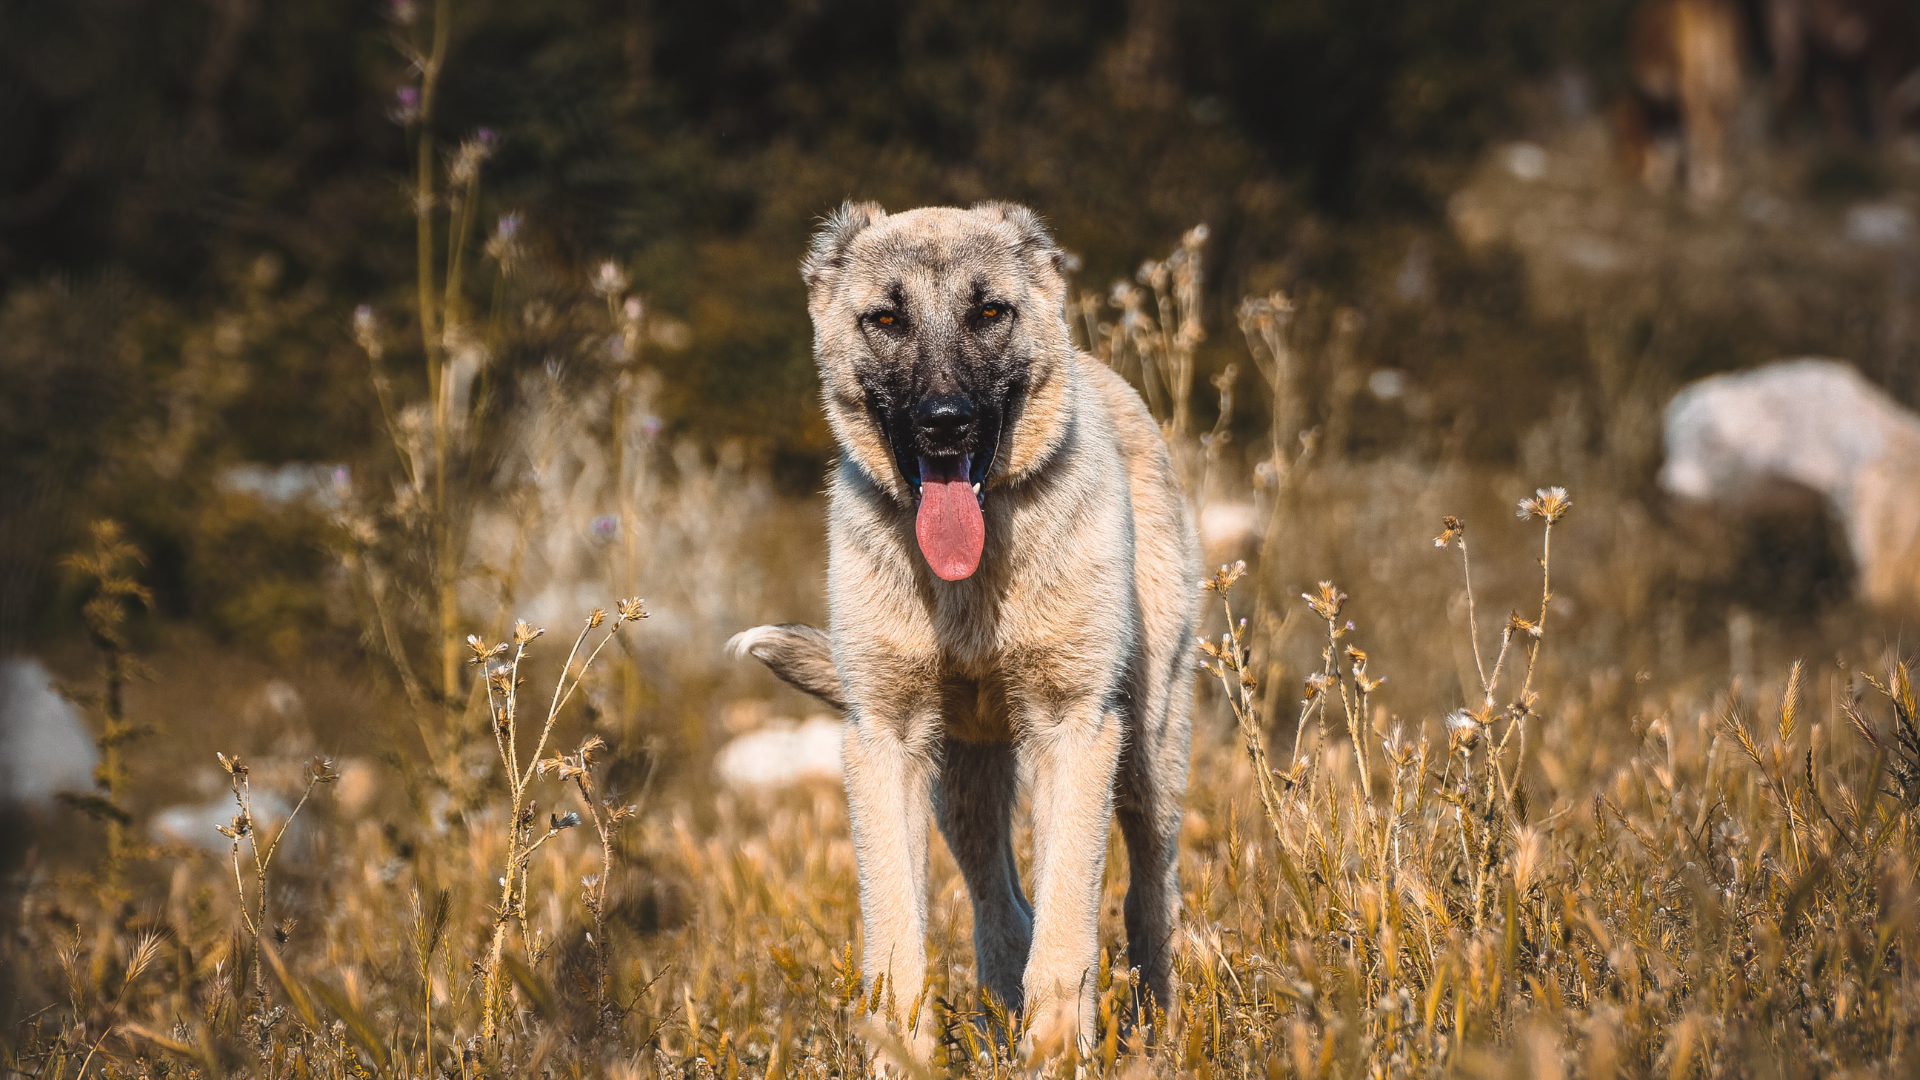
[828, 252]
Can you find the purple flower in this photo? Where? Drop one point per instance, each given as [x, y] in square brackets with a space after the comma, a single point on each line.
[487, 138]
[606, 525]
[651, 425]
[406, 107]
[502, 247]
[366, 332]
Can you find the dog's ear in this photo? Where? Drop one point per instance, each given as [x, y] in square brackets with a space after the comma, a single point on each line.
[828, 252]
[1036, 244]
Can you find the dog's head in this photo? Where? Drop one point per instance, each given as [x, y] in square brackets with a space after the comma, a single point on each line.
[941, 337]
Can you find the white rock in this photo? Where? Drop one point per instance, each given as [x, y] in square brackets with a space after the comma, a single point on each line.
[1526, 161]
[323, 486]
[1225, 524]
[1593, 253]
[783, 754]
[44, 747]
[1818, 424]
[1387, 384]
[198, 824]
[1879, 224]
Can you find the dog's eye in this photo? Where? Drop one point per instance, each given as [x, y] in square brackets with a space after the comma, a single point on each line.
[887, 320]
[987, 313]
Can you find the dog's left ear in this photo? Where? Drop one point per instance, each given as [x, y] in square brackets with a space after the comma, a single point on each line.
[1036, 244]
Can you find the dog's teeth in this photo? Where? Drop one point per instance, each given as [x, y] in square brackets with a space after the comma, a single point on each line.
[976, 489]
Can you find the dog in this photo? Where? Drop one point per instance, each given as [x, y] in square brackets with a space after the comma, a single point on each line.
[1684, 57]
[1012, 579]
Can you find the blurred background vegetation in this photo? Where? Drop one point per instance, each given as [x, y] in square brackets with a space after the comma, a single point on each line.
[196, 196]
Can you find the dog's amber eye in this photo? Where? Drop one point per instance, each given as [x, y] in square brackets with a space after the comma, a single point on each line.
[990, 312]
[885, 318]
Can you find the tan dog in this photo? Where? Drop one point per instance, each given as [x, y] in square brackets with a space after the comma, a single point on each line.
[1012, 579]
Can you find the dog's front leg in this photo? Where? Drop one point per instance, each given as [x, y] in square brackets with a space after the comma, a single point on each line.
[1073, 763]
[889, 800]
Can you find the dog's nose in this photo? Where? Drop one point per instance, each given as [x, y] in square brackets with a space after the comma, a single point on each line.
[944, 420]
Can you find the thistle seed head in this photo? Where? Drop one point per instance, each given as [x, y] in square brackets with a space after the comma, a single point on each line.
[1548, 504]
[1222, 580]
[1327, 602]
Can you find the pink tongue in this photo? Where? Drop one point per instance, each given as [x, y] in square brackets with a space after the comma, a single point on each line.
[949, 526]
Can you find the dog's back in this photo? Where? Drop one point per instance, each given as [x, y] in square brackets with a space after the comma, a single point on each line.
[1166, 547]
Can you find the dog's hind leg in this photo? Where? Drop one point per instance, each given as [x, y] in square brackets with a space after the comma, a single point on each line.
[973, 803]
[1148, 809]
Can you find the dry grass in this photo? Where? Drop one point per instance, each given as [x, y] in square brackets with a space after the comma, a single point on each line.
[1553, 844]
[1656, 887]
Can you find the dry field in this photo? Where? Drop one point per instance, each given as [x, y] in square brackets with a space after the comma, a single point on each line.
[1582, 869]
[1476, 789]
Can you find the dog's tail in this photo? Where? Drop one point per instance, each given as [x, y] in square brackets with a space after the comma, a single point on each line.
[798, 654]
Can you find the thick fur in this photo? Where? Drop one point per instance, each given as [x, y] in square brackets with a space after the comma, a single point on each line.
[1067, 655]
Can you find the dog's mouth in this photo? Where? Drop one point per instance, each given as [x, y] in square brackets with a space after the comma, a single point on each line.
[945, 448]
[949, 522]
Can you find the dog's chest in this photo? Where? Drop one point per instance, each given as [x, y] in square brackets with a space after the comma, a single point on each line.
[976, 710]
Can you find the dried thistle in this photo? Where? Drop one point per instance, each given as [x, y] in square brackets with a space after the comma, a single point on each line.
[482, 652]
[1548, 504]
[1327, 603]
[1463, 731]
[1316, 683]
[1223, 580]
